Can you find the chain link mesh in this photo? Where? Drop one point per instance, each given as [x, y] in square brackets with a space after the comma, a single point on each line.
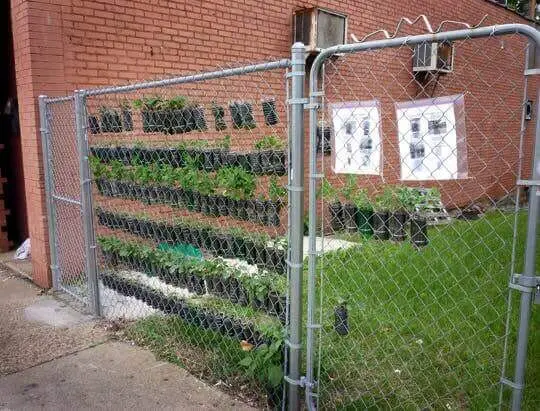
[65, 198]
[418, 218]
[191, 220]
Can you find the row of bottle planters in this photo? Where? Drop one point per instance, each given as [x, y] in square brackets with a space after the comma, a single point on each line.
[228, 288]
[208, 159]
[198, 316]
[382, 225]
[222, 244]
[263, 212]
[154, 121]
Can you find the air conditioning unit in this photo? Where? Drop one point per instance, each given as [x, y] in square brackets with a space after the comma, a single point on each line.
[437, 57]
[319, 28]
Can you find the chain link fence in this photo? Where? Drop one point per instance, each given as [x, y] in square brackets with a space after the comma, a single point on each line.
[418, 223]
[176, 208]
[189, 188]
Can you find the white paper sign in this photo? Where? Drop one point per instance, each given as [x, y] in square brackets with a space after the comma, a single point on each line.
[428, 138]
[357, 142]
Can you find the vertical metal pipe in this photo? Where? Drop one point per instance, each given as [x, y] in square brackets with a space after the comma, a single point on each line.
[86, 203]
[312, 251]
[529, 271]
[296, 234]
[45, 148]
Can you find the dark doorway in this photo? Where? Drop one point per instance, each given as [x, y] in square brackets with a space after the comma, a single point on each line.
[12, 196]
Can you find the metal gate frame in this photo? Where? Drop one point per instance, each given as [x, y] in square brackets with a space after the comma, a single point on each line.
[526, 283]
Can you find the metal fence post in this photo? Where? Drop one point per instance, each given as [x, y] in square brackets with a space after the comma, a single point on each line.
[86, 202]
[296, 235]
[45, 136]
[528, 280]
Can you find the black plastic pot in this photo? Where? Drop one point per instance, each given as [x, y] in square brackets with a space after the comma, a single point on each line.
[219, 113]
[251, 251]
[230, 159]
[227, 245]
[270, 112]
[265, 157]
[380, 225]
[349, 217]
[244, 161]
[222, 205]
[396, 226]
[364, 221]
[250, 211]
[255, 164]
[199, 121]
[152, 121]
[242, 210]
[260, 210]
[213, 205]
[207, 159]
[127, 120]
[93, 125]
[239, 247]
[110, 122]
[336, 216]
[419, 234]
[341, 320]
[277, 162]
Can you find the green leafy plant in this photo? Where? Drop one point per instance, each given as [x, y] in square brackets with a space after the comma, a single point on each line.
[99, 170]
[270, 142]
[176, 103]
[384, 201]
[361, 199]
[264, 363]
[276, 191]
[349, 189]
[148, 103]
[328, 191]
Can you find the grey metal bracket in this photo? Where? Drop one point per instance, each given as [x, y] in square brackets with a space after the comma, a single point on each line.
[302, 101]
[532, 72]
[511, 384]
[314, 326]
[295, 73]
[298, 189]
[528, 183]
[525, 284]
[293, 346]
[302, 382]
[294, 265]
[309, 106]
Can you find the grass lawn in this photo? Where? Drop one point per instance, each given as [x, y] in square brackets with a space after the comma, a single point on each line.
[426, 327]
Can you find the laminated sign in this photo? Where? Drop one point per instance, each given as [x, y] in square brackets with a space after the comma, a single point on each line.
[431, 136]
[357, 140]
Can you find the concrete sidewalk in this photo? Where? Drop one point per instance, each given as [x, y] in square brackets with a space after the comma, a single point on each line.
[54, 358]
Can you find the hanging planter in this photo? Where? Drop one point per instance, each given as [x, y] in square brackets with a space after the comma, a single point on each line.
[255, 165]
[336, 216]
[277, 162]
[93, 125]
[273, 209]
[397, 222]
[419, 234]
[380, 225]
[364, 218]
[350, 218]
[250, 211]
[270, 112]
[341, 319]
[219, 117]
[127, 117]
[260, 211]
[109, 120]
[199, 121]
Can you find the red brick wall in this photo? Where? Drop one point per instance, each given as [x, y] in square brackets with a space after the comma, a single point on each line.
[61, 45]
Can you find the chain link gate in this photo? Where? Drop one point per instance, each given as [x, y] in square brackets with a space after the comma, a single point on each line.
[182, 194]
[63, 184]
[418, 223]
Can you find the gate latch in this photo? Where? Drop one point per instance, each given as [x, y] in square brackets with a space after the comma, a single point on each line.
[527, 285]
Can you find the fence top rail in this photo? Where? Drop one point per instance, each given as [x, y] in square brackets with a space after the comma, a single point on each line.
[61, 99]
[270, 65]
[488, 31]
